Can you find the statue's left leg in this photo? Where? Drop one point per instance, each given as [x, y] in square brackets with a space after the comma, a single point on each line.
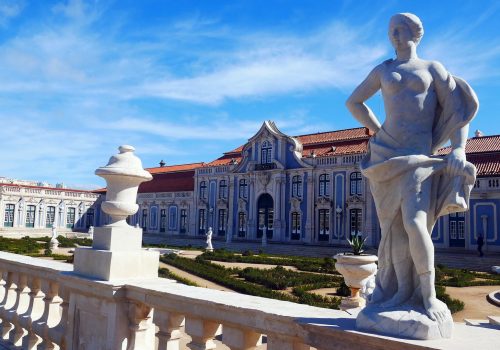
[414, 210]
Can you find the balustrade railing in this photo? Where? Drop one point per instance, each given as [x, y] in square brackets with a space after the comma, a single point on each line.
[37, 311]
[45, 305]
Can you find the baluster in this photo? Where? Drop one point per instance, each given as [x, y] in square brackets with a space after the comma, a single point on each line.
[141, 327]
[282, 342]
[33, 314]
[2, 286]
[240, 338]
[23, 302]
[7, 304]
[57, 333]
[202, 333]
[169, 325]
[51, 313]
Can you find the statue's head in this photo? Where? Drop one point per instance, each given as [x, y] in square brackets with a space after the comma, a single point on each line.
[404, 27]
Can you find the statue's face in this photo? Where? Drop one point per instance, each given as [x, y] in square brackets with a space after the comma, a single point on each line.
[400, 34]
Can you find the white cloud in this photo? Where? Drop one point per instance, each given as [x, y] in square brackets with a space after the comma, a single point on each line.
[10, 9]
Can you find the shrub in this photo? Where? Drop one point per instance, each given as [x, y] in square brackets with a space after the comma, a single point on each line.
[279, 278]
[166, 273]
[454, 305]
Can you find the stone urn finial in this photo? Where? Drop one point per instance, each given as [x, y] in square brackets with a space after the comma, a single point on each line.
[123, 175]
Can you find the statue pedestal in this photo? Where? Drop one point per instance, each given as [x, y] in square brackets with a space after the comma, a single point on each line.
[116, 253]
[403, 321]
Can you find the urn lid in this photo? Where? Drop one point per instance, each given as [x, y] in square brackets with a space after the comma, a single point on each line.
[124, 163]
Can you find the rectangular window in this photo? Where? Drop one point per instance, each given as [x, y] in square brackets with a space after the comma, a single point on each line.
[30, 216]
[51, 214]
[70, 218]
[295, 226]
[222, 222]
[172, 218]
[453, 229]
[90, 217]
[461, 230]
[9, 215]
[202, 222]
[242, 225]
[183, 221]
[144, 219]
[270, 218]
[163, 220]
[356, 221]
[324, 225]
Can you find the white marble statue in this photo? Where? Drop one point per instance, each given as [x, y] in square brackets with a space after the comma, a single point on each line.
[425, 107]
[264, 236]
[91, 232]
[209, 240]
[54, 243]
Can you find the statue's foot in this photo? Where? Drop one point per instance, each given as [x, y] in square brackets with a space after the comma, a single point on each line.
[436, 309]
[399, 298]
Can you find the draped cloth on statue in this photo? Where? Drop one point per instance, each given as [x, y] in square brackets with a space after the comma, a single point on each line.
[395, 173]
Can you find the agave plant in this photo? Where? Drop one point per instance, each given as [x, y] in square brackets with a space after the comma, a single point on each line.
[357, 242]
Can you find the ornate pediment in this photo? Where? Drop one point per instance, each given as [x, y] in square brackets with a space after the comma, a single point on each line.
[202, 202]
[355, 200]
[221, 202]
[323, 201]
[295, 203]
[242, 204]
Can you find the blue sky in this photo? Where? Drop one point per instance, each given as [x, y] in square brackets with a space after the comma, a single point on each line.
[185, 81]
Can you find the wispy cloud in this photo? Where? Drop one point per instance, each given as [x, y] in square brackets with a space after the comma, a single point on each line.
[10, 9]
[77, 82]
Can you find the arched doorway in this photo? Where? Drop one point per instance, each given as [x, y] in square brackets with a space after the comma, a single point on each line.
[265, 215]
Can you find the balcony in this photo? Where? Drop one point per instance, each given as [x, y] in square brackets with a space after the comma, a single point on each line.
[45, 305]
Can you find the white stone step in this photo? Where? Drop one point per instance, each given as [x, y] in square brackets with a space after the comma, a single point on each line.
[473, 322]
[495, 320]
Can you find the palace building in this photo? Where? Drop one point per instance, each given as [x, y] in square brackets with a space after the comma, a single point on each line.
[32, 208]
[305, 189]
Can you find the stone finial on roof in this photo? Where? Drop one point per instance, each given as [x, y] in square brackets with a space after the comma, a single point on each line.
[478, 133]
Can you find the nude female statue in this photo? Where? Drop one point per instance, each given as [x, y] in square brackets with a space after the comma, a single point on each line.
[425, 107]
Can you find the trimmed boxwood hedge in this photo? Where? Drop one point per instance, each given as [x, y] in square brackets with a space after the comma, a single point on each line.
[280, 278]
[324, 265]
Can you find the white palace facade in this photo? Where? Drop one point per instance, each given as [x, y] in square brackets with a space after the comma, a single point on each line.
[305, 189]
[31, 208]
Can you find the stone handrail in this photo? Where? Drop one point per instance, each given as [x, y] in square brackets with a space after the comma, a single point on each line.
[45, 305]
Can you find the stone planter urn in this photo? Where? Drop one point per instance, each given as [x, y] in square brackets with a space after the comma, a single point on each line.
[357, 270]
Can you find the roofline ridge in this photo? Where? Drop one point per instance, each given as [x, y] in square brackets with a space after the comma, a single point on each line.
[326, 132]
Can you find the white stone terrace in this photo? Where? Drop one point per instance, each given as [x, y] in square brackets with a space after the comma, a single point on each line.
[45, 305]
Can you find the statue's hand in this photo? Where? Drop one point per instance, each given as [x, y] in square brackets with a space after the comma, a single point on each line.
[456, 161]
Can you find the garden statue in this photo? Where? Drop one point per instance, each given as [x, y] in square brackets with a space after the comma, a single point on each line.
[264, 236]
[425, 107]
[54, 243]
[91, 232]
[210, 248]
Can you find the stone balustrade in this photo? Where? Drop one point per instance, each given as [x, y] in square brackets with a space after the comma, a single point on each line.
[45, 305]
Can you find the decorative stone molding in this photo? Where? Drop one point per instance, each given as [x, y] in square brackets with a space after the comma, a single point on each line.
[323, 202]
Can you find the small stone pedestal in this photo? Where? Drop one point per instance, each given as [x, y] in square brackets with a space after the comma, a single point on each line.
[116, 253]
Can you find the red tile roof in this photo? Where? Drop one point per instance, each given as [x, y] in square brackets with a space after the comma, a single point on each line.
[486, 164]
[334, 136]
[174, 168]
[169, 182]
[480, 144]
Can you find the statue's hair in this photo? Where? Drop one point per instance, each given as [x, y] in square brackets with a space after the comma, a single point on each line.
[413, 22]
